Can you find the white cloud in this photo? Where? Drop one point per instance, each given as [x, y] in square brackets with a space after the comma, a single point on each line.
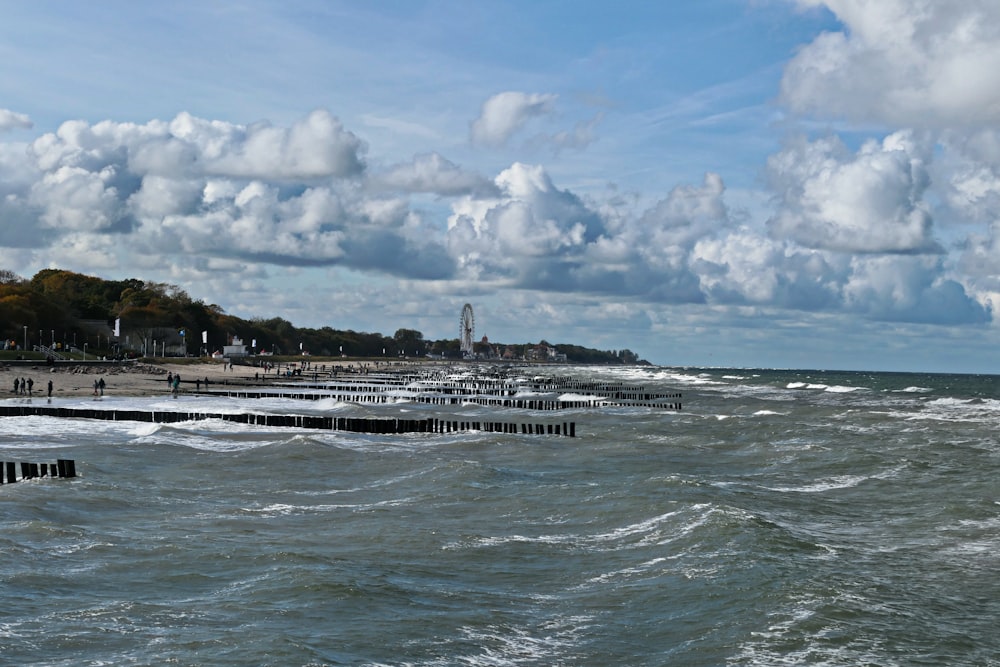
[10, 120]
[315, 147]
[432, 173]
[910, 63]
[72, 198]
[505, 113]
[868, 202]
[910, 289]
[532, 233]
[200, 196]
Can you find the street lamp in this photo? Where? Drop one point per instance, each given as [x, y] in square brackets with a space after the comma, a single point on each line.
[84, 351]
[25, 337]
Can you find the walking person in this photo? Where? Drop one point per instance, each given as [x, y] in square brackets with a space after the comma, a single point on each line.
[100, 385]
[31, 385]
[50, 388]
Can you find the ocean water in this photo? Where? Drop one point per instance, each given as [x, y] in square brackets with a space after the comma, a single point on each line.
[780, 518]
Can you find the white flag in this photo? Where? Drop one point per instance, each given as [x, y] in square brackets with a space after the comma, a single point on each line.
[204, 338]
[118, 324]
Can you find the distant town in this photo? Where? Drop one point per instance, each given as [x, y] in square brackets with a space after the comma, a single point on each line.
[66, 315]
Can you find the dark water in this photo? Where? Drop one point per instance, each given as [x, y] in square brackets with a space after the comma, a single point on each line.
[782, 518]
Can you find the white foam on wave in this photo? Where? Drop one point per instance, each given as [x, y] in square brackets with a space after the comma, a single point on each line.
[819, 486]
[647, 530]
[504, 645]
[285, 509]
[959, 410]
[581, 397]
[819, 386]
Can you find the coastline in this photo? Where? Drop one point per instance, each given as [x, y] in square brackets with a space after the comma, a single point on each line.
[130, 379]
[138, 379]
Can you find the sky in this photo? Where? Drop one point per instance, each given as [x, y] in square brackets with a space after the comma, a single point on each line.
[758, 183]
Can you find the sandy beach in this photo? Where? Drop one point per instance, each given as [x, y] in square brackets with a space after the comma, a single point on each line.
[150, 379]
[131, 379]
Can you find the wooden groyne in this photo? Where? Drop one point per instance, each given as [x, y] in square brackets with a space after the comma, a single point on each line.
[491, 390]
[62, 468]
[349, 424]
[382, 396]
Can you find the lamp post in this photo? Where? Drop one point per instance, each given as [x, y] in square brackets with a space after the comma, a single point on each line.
[84, 351]
[25, 337]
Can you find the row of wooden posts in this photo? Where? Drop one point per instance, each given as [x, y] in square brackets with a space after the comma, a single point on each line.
[442, 389]
[538, 404]
[350, 424]
[64, 468]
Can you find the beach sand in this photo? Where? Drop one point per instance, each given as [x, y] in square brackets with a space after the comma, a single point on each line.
[147, 379]
[132, 379]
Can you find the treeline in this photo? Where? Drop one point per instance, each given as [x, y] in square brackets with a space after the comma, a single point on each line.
[68, 310]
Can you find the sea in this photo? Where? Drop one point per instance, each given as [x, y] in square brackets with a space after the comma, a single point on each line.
[780, 517]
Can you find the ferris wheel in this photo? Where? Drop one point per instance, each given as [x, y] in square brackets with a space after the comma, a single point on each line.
[466, 330]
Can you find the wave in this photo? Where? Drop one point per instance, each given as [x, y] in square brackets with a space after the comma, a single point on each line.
[818, 386]
[819, 486]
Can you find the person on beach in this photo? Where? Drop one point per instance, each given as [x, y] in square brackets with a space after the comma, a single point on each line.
[95, 387]
[17, 386]
[50, 388]
[31, 385]
[170, 379]
[23, 385]
[177, 383]
[100, 385]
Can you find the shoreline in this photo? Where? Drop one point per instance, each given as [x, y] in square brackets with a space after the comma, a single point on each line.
[142, 379]
[129, 379]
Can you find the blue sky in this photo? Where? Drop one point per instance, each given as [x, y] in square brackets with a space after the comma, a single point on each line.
[777, 183]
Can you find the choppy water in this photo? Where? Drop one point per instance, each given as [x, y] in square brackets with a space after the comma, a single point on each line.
[782, 518]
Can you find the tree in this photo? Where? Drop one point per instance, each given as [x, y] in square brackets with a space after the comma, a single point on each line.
[8, 277]
[409, 341]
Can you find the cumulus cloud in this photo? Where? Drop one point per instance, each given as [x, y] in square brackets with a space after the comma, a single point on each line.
[909, 63]
[199, 197]
[10, 120]
[530, 234]
[909, 289]
[970, 175]
[505, 113]
[204, 189]
[870, 201]
[432, 173]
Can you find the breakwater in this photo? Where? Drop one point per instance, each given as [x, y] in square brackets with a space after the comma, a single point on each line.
[491, 388]
[63, 468]
[350, 424]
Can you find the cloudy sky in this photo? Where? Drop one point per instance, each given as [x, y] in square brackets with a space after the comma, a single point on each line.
[762, 183]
